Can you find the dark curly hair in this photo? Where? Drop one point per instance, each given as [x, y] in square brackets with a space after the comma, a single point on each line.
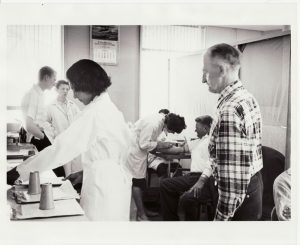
[175, 123]
[164, 111]
[88, 76]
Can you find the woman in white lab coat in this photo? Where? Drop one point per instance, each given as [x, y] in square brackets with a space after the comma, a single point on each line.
[102, 137]
[146, 133]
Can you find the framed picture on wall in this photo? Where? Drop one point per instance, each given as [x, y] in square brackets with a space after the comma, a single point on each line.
[104, 44]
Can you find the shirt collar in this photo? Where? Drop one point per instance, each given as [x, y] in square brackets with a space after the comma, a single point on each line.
[102, 96]
[57, 102]
[203, 137]
[37, 88]
[230, 89]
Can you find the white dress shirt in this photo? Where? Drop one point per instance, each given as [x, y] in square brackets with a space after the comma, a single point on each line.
[33, 106]
[199, 154]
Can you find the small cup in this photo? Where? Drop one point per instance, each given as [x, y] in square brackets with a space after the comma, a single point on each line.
[46, 201]
[34, 183]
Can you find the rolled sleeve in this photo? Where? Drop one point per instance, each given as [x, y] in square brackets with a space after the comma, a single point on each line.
[29, 106]
[65, 147]
[145, 140]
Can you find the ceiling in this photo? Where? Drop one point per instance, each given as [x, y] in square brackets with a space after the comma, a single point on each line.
[257, 27]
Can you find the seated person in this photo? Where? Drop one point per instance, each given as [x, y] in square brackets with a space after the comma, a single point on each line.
[282, 195]
[172, 188]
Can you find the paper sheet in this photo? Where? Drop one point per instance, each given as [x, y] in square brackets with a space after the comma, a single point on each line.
[65, 191]
[62, 208]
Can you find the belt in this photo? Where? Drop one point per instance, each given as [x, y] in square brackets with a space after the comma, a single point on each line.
[194, 173]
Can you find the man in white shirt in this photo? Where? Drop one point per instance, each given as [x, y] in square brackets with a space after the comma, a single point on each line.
[34, 115]
[34, 109]
[172, 188]
[35, 112]
[60, 114]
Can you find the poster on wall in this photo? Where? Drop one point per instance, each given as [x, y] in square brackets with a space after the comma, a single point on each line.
[105, 44]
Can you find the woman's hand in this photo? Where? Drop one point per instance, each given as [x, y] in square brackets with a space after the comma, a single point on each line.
[163, 145]
[75, 178]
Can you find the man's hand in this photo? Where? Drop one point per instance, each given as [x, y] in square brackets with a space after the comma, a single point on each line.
[286, 212]
[198, 187]
[33, 128]
[163, 145]
[75, 178]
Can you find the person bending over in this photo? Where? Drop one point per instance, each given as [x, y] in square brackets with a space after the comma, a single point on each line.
[146, 133]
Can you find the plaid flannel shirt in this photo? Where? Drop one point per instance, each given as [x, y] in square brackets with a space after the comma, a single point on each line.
[235, 147]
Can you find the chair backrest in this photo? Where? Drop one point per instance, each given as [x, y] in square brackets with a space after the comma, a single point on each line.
[273, 165]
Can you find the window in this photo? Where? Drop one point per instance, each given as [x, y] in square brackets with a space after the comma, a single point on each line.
[158, 45]
[29, 48]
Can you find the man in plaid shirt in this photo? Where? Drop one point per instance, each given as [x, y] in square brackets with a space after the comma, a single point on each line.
[235, 139]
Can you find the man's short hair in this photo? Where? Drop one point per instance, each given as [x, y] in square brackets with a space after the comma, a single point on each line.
[61, 82]
[205, 120]
[226, 53]
[164, 111]
[175, 123]
[45, 71]
[88, 76]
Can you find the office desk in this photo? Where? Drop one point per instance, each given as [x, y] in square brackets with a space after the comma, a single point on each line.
[169, 157]
[15, 157]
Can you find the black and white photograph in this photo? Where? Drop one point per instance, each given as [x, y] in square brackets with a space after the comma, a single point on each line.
[152, 127]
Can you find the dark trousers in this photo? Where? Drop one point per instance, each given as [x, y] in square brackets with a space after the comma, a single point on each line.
[251, 208]
[171, 190]
[41, 145]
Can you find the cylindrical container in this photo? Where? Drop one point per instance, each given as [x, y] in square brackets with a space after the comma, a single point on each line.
[46, 201]
[34, 183]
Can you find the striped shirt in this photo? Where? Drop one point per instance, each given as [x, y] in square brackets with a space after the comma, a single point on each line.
[235, 147]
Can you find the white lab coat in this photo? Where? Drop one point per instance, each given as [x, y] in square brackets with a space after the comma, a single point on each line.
[59, 119]
[146, 132]
[103, 138]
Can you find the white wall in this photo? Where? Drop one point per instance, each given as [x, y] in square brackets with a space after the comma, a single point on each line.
[124, 76]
